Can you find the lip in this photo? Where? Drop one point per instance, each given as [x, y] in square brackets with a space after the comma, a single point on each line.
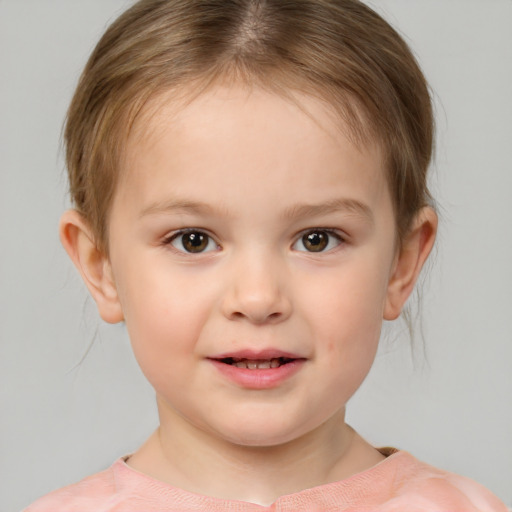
[263, 378]
[268, 353]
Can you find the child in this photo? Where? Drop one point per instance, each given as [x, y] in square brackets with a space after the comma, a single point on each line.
[249, 181]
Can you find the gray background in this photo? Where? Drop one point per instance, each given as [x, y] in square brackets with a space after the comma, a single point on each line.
[62, 418]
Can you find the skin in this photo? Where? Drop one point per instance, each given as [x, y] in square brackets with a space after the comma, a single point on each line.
[254, 173]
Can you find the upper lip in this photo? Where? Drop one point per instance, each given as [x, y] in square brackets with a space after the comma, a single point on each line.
[255, 355]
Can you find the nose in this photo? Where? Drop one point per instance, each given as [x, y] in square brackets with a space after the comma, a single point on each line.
[257, 292]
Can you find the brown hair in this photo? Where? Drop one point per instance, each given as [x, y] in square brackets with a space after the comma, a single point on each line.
[339, 50]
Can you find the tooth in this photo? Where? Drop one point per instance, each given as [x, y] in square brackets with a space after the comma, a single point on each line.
[254, 364]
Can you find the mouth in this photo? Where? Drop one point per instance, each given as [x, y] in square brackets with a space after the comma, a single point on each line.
[256, 364]
[264, 369]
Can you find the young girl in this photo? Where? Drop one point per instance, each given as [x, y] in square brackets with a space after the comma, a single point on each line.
[249, 182]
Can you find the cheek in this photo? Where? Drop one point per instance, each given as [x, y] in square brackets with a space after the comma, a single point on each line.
[349, 301]
[164, 313]
[345, 314]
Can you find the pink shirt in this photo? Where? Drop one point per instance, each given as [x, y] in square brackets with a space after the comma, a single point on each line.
[400, 483]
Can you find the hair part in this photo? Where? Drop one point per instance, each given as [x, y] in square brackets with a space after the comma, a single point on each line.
[338, 50]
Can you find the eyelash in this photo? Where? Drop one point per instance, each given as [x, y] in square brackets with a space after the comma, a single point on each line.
[331, 235]
[178, 235]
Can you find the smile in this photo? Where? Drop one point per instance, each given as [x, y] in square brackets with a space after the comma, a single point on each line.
[257, 364]
[261, 370]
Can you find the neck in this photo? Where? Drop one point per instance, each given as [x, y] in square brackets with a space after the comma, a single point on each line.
[192, 459]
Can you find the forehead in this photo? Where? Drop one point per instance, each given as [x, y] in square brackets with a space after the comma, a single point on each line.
[237, 130]
[210, 108]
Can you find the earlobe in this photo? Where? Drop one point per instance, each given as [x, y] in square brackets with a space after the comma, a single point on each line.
[93, 265]
[409, 261]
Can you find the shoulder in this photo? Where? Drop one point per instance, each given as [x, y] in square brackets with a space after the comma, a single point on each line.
[84, 495]
[433, 489]
[118, 489]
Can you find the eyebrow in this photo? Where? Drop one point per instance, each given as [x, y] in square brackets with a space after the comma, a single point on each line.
[185, 206]
[351, 206]
[299, 211]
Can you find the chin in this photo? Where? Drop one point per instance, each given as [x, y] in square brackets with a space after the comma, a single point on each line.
[260, 441]
[262, 435]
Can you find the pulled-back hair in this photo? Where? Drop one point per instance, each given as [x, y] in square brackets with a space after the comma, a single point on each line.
[338, 50]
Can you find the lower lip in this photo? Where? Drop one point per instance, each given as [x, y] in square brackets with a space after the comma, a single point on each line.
[264, 378]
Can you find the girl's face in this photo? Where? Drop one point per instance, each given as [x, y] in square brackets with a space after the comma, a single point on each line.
[252, 246]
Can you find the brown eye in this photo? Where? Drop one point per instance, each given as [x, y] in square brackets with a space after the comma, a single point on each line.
[193, 242]
[318, 241]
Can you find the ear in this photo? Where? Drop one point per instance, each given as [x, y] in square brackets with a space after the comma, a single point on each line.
[93, 265]
[409, 261]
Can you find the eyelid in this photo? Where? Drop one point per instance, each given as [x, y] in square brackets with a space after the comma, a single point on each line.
[168, 240]
[331, 232]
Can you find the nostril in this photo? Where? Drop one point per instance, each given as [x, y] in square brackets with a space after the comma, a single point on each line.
[258, 308]
[257, 317]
